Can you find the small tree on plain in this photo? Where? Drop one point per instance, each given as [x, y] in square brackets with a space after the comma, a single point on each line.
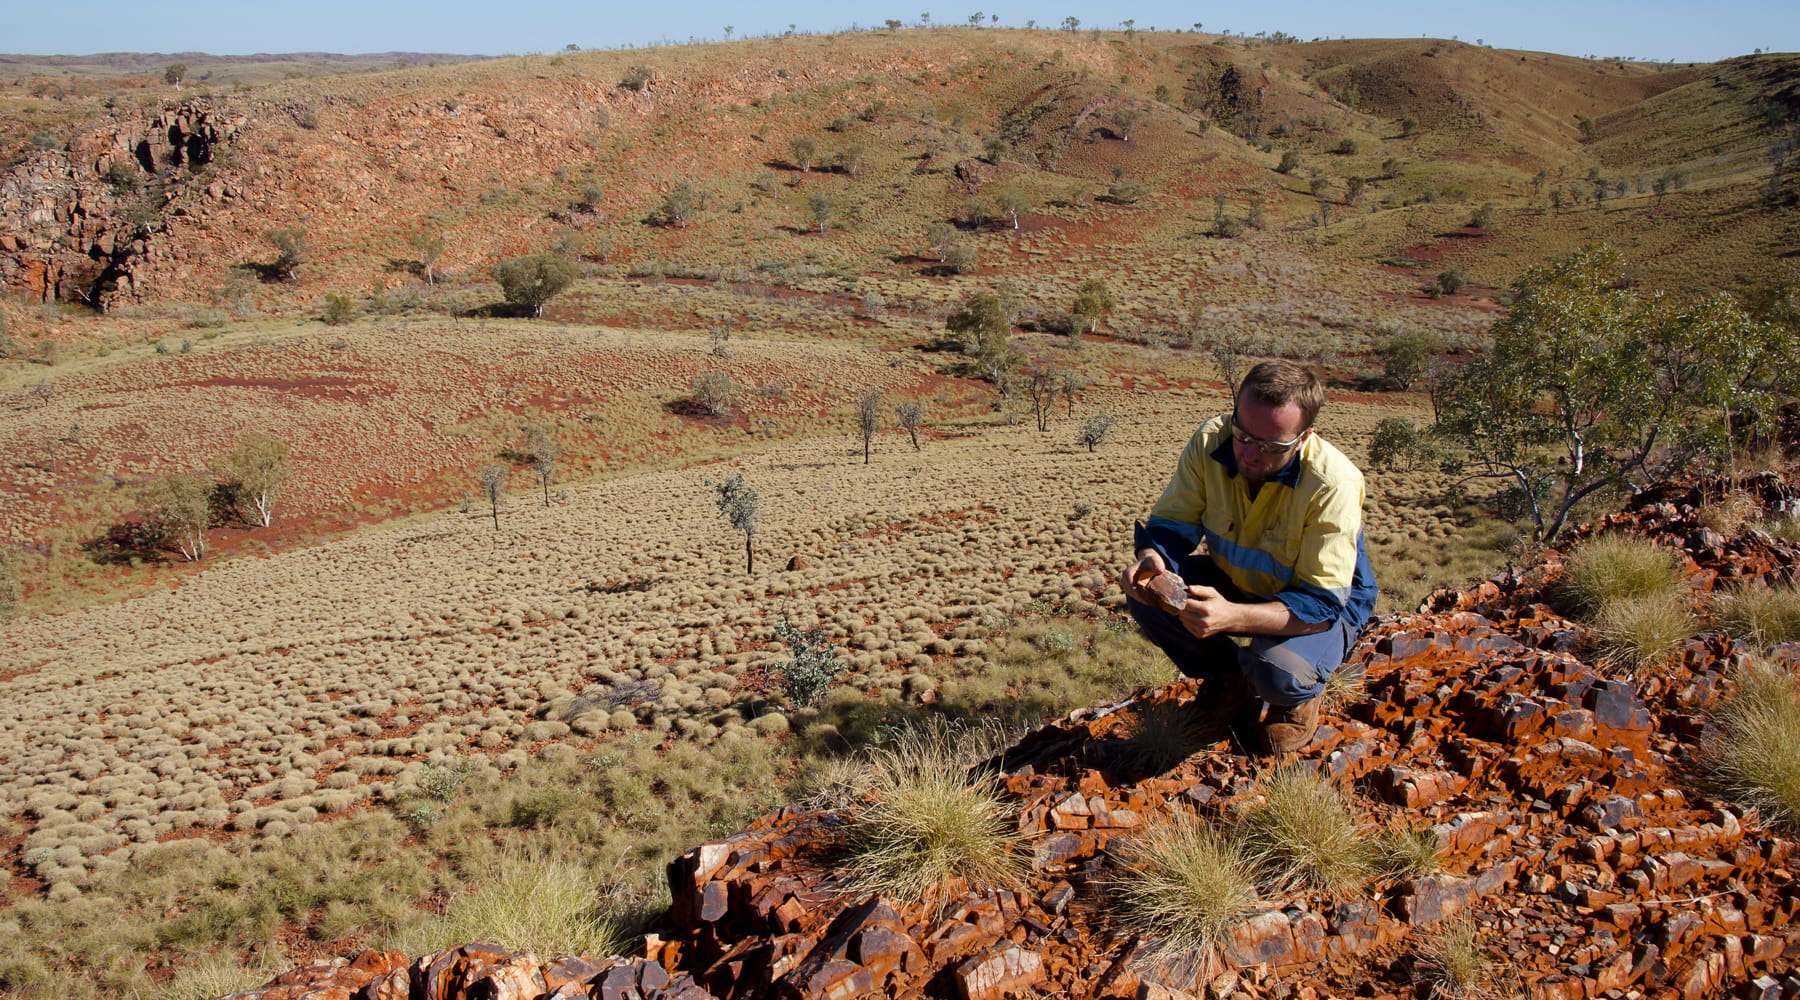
[911, 414]
[1400, 444]
[959, 257]
[492, 479]
[1012, 201]
[713, 391]
[940, 236]
[254, 471]
[427, 247]
[530, 282]
[290, 251]
[1095, 429]
[174, 73]
[1125, 119]
[679, 206]
[1230, 353]
[1093, 303]
[1406, 355]
[804, 150]
[1039, 384]
[1070, 385]
[738, 504]
[868, 419]
[542, 453]
[180, 509]
[820, 208]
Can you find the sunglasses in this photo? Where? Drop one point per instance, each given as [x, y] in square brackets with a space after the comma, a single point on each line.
[1263, 445]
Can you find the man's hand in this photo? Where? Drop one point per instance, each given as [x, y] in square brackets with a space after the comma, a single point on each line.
[1207, 613]
[1128, 582]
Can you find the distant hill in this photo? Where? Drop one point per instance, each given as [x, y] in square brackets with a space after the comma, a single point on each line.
[1353, 151]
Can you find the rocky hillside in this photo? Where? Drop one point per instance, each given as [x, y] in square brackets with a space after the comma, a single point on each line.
[1574, 830]
[1397, 140]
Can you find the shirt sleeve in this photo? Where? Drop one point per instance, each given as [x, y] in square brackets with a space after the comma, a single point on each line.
[1326, 567]
[1177, 513]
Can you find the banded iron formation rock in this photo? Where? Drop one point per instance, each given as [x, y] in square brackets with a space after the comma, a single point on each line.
[1576, 834]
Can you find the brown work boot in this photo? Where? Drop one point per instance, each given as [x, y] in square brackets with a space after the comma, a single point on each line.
[1289, 728]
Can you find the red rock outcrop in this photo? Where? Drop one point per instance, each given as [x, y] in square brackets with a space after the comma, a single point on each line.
[77, 223]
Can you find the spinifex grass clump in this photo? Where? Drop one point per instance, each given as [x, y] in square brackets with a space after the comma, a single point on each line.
[1451, 965]
[1164, 734]
[1185, 882]
[1640, 631]
[1303, 834]
[1756, 754]
[932, 819]
[1611, 568]
[1765, 616]
[546, 905]
[1403, 853]
[1631, 590]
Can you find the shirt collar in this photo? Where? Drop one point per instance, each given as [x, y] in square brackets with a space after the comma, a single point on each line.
[1289, 475]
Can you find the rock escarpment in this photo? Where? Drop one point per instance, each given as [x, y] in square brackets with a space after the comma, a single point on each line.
[1576, 834]
[80, 224]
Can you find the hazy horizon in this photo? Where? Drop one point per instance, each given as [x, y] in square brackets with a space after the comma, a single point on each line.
[1659, 30]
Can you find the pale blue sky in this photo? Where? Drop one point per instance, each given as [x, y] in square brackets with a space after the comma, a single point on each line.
[1647, 29]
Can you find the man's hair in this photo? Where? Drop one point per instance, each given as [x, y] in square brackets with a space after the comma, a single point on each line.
[1279, 382]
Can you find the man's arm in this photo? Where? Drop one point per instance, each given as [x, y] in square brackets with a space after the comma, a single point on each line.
[1208, 613]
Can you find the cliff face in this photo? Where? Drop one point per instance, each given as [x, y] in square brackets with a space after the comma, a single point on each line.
[80, 224]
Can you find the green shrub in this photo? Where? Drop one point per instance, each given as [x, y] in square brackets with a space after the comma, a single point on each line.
[1401, 444]
[1755, 755]
[442, 781]
[530, 282]
[1184, 883]
[338, 310]
[1127, 192]
[811, 666]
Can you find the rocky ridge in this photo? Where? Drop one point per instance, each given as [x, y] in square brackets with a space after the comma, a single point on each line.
[1575, 831]
[77, 224]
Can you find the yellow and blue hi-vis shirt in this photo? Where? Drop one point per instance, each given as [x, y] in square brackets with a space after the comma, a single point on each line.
[1299, 541]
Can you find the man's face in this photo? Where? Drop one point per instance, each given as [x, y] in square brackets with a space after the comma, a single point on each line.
[1270, 426]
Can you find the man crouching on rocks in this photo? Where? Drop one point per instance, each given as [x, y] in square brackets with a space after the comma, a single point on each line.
[1262, 523]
